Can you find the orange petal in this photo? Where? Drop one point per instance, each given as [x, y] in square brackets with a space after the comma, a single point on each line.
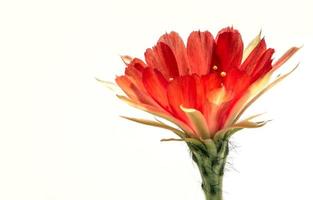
[210, 111]
[127, 86]
[132, 90]
[200, 52]
[156, 86]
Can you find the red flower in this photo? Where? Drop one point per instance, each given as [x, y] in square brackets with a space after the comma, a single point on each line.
[202, 87]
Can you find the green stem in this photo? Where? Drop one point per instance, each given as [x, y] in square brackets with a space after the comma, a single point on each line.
[211, 163]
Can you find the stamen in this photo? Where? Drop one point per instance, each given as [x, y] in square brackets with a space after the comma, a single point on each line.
[170, 79]
[223, 74]
[215, 67]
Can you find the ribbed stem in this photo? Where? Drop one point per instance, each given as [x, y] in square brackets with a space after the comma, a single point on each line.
[211, 164]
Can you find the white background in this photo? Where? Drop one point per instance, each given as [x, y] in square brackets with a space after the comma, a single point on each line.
[60, 132]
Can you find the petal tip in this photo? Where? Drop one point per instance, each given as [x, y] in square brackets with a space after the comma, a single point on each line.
[126, 59]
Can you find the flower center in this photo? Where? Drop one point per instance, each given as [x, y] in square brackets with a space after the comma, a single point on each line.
[222, 74]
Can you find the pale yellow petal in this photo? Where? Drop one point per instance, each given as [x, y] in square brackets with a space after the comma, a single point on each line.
[261, 92]
[126, 59]
[111, 86]
[152, 111]
[251, 46]
[156, 124]
[198, 121]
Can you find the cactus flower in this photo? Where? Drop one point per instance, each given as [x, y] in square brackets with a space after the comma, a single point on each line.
[202, 88]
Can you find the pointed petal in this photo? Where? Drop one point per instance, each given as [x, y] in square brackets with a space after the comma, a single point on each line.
[249, 124]
[263, 65]
[260, 93]
[156, 124]
[253, 116]
[251, 91]
[240, 125]
[285, 57]
[198, 121]
[171, 139]
[250, 62]
[111, 86]
[229, 49]
[126, 59]
[159, 113]
[200, 52]
[251, 46]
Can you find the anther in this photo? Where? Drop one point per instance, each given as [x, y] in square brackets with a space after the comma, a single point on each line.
[223, 74]
[214, 67]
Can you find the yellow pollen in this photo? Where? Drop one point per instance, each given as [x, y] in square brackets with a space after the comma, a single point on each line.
[214, 67]
[223, 74]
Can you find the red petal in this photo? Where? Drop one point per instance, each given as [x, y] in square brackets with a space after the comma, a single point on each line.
[176, 44]
[249, 64]
[263, 65]
[225, 112]
[229, 49]
[156, 86]
[162, 58]
[211, 81]
[182, 91]
[134, 71]
[137, 63]
[200, 50]
[236, 81]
